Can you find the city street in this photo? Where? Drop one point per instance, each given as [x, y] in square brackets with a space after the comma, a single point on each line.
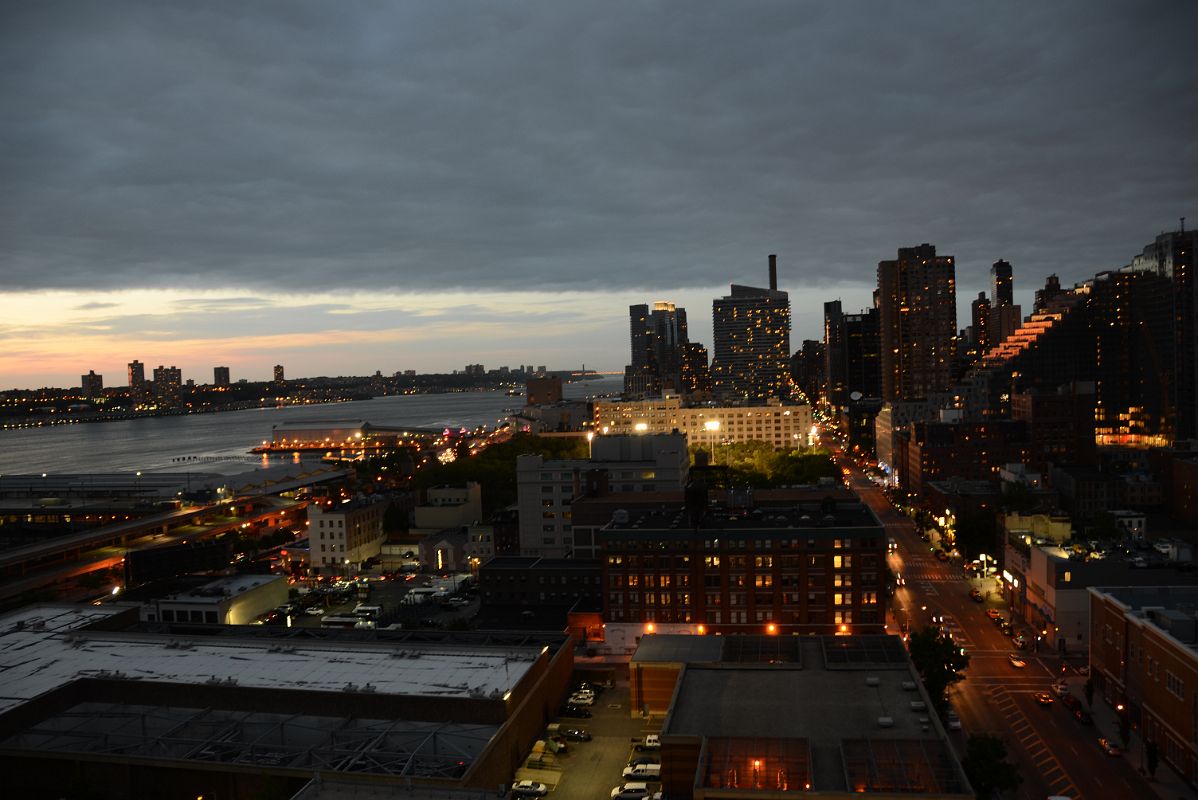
[1055, 753]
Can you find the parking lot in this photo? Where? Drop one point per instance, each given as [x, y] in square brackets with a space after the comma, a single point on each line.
[589, 770]
[389, 595]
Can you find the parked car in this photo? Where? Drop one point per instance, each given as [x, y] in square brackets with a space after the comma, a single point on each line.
[575, 734]
[644, 760]
[630, 791]
[976, 596]
[577, 712]
[529, 789]
[1109, 747]
[314, 611]
[954, 722]
[649, 772]
[1060, 689]
[581, 700]
[992, 613]
[1075, 707]
[650, 742]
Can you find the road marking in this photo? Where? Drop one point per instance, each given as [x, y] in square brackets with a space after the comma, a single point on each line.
[1038, 751]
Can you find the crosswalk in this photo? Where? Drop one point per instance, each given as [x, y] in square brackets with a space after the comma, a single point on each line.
[919, 574]
[1047, 765]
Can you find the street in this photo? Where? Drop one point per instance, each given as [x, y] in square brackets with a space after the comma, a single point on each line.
[1055, 753]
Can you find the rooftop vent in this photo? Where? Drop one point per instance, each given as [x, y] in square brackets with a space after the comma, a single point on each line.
[873, 680]
[885, 722]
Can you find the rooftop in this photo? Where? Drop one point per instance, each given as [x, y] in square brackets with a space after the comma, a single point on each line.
[44, 647]
[225, 587]
[855, 717]
[806, 514]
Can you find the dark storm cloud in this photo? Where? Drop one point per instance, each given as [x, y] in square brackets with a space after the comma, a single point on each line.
[423, 146]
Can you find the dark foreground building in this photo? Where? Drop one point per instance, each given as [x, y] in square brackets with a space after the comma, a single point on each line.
[95, 705]
[768, 716]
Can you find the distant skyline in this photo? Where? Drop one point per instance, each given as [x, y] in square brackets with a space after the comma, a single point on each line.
[425, 185]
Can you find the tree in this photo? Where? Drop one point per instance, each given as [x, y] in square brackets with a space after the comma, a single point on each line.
[1124, 728]
[494, 468]
[1089, 690]
[939, 662]
[987, 768]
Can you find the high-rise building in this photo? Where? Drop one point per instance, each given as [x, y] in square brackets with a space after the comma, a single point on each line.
[696, 375]
[917, 307]
[137, 375]
[1051, 291]
[93, 384]
[1005, 316]
[1002, 279]
[1171, 255]
[168, 381]
[980, 313]
[852, 366]
[807, 370]
[658, 341]
[751, 330]
[220, 376]
[279, 378]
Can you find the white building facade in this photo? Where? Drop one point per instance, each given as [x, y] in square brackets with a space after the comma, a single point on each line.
[343, 535]
[784, 427]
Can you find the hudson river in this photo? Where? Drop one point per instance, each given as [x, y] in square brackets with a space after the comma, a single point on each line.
[152, 444]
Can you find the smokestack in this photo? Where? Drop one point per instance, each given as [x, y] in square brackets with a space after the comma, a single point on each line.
[773, 273]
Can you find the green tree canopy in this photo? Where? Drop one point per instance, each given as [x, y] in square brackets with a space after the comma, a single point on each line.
[987, 768]
[494, 468]
[938, 660]
[759, 465]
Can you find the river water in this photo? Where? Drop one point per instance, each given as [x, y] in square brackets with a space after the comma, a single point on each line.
[156, 444]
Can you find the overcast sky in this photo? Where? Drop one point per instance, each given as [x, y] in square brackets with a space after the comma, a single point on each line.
[345, 187]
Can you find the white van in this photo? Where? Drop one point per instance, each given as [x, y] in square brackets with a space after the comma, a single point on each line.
[648, 772]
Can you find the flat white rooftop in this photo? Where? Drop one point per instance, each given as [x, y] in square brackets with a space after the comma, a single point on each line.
[222, 589]
[42, 648]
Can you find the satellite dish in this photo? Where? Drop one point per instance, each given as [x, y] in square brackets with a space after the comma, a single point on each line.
[855, 396]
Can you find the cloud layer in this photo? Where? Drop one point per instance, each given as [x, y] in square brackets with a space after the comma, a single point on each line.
[433, 146]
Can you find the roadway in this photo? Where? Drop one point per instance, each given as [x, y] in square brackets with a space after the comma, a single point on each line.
[1055, 754]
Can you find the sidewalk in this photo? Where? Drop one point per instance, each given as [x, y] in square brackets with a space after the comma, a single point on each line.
[1167, 784]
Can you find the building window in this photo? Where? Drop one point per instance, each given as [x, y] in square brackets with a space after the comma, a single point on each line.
[1175, 685]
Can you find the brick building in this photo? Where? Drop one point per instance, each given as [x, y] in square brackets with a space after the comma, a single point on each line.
[810, 563]
[1144, 655]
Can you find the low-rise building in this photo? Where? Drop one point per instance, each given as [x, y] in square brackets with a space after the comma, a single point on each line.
[461, 549]
[768, 716]
[449, 506]
[257, 712]
[783, 426]
[1050, 593]
[547, 489]
[1144, 657]
[343, 535]
[228, 601]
